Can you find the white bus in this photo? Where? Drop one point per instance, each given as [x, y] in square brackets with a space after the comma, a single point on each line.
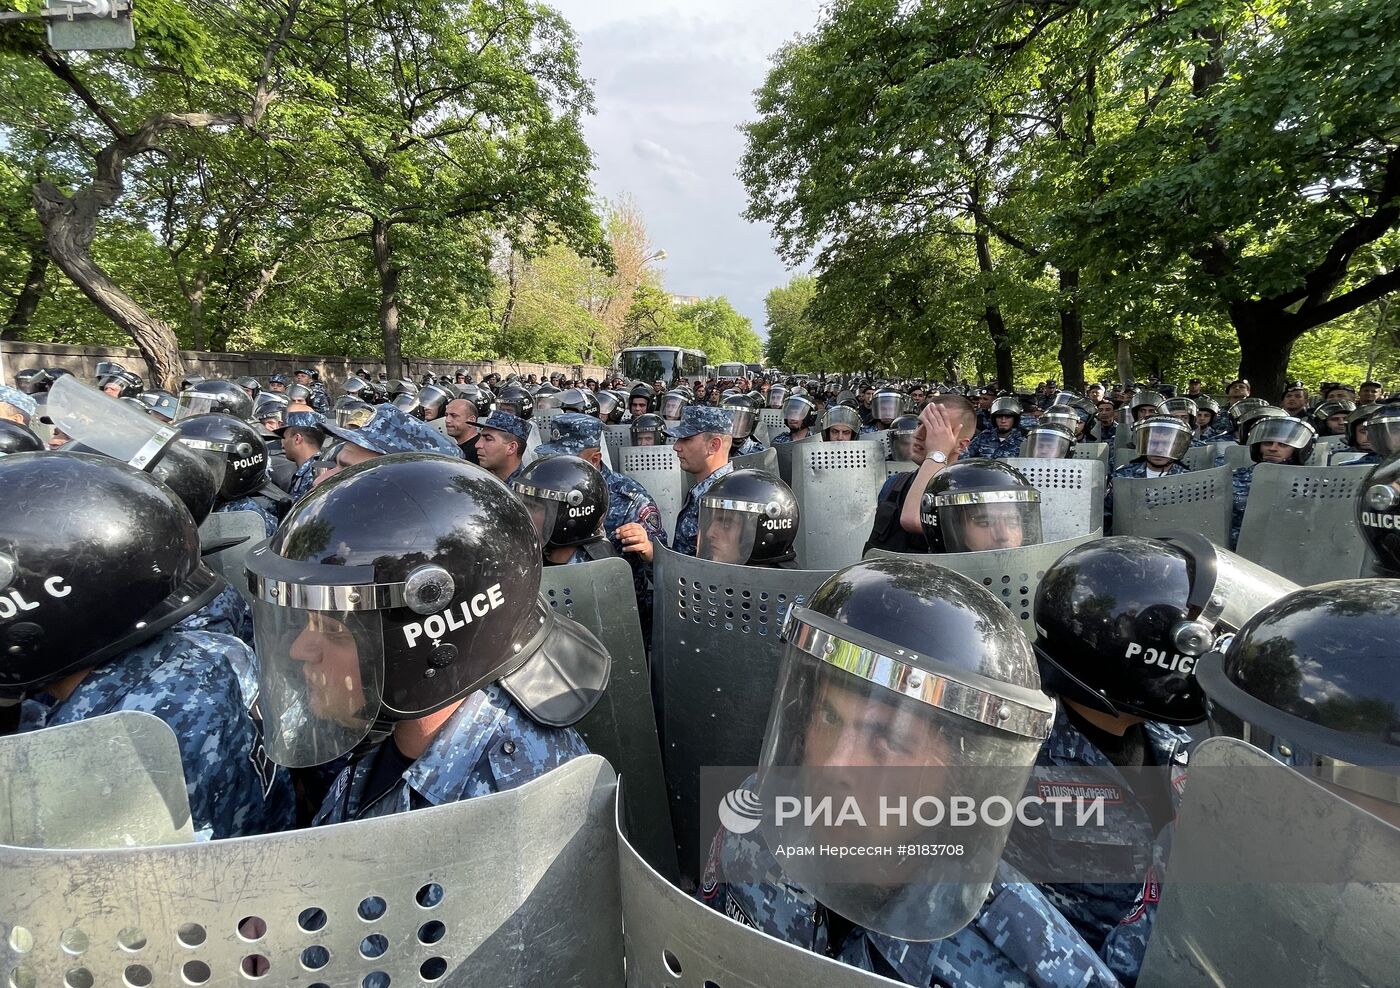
[668, 364]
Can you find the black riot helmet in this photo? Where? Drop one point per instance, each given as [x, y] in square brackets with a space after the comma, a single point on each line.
[162, 403]
[1383, 429]
[516, 400]
[238, 443]
[1247, 412]
[432, 401]
[777, 395]
[1007, 405]
[743, 417]
[610, 407]
[901, 433]
[578, 400]
[356, 387]
[1295, 433]
[109, 373]
[33, 380]
[214, 396]
[1329, 418]
[648, 430]
[842, 416]
[1313, 680]
[1357, 420]
[95, 558]
[673, 403]
[1048, 440]
[251, 385]
[192, 475]
[1378, 497]
[1144, 403]
[978, 504]
[1120, 622]
[641, 390]
[270, 405]
[15, 438]
[893, 667]
[396, 588]
[799, 412]
[567, 499]
[407, 402]
[749, 518]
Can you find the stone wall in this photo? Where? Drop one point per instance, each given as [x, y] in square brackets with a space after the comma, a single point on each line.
[83, 361]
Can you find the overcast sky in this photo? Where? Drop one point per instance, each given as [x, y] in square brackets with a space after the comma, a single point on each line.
[673, 80]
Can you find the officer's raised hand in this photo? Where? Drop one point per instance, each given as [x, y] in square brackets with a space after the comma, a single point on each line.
[635, 538]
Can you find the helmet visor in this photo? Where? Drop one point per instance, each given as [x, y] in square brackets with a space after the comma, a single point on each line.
[796, 411]
[727, 531]
[976, 521]
[107, 424]
[1382, 429]
[1046, 444]
[742, 419]
[902, 446]
[672, 406]
[406, 403]
[855, 723]
[321, 678]
[888, 406]
[192, 403]
[777, 395]
[544, 511]
[1162, 436]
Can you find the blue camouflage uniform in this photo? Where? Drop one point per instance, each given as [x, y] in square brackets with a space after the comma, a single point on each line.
[303, 478]
[1018, 940]
[248, 504]
[984, 420]
[1108, 434]
[786, 437]
[318, 399]
[226, 614]
[1369, 457]
[871, 428]
[204, 686]
[988, 445]
[488, 745]
[389, 430]
[1125, 843]
[1134, 468]
[695, 420]
[1240, 482]
[749, 445]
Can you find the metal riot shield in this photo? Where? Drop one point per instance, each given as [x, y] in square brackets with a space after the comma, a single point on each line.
[112, 781]
[228, 563]
[518, 888]
[784, 452]
[715, 656]
[1071, 495]
[1199, 501]
[1273, 880]
[1203, 457]
[1011, 574]
[1123, 456]
[1237, 456]
[893, 467]
[1322, 449]
[617, 437]
[672, 939]
[1091, 451]
[836, 485]
[1300, 522]
[770, 424]
[622, 727]
[1338, 459]
[657, 469]
[766, 460]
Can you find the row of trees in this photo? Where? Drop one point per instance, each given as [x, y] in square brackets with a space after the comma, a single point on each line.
[385, 177]
[1189, 184]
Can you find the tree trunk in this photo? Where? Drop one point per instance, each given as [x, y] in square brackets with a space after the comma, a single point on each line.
[1124, 360]
[69, 227]
[388, 297]
[996, 325]
[27, 301]
[1266, 336]
[196, 300]
[1071, 332]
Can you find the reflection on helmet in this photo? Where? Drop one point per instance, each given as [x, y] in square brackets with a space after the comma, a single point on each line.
[749, 517]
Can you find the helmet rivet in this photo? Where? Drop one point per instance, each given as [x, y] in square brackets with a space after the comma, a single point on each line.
[515, 647]
[353, 596]
[830, 647]
[1003, 713]
[1285, 750]
[916, 681]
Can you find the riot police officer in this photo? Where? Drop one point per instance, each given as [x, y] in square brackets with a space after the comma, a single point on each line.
[886, 405]
[1003, 440]
[568, 501]
[840, 424]
[1378, 498]
[15, 438]
[901, 433]
[1358, 439]
[93, 594]
[748, 518]
[799, 415]
[1272, 439]
[116, 381]
[213, 396]
[421, 644]
[1161, 442]
[516, 400]
[743, 421]
[862, 705]
[648, 429]
[639, 400]
[244, 458]
[979, 504]
[1047, 440]
[301, 437]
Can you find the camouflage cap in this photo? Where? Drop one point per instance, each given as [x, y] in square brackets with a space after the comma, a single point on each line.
[303, 420]
[571, 433]
[511, 425]
[21, 402]
[390, 431]
[696, 419]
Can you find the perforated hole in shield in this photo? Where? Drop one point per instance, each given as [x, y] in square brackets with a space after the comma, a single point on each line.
[22, 977]
[835, 459]
[195, 972]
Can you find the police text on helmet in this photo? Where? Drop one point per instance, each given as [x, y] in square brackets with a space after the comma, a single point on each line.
[437, 625]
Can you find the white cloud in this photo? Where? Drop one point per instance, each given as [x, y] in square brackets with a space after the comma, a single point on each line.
[674, 79]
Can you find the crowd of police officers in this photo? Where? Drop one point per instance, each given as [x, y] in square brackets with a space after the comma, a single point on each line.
[395, 655]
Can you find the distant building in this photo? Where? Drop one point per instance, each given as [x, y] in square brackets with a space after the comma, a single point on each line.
[685, 299]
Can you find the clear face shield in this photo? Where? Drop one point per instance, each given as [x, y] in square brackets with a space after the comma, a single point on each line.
[888, 406]
[1162, 436]
[742, 421]
[776, 396]
[902, 445]
[1047, 442]
[192, 403]
[671, 407]
[1296, 434]
[729, 529]
[975, 521]
[888, 741]
[1383, 429]
[795, 413]
[107, 424]
[545, 506]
